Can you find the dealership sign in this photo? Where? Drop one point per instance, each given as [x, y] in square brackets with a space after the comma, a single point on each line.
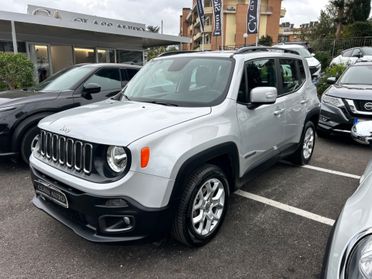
[217, 17]
[83, 19]
[200, 10]
[253, 17]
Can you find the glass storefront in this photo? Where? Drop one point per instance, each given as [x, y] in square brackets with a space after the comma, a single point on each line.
[39, 55]
[130, 57]
[105, 56]
[7, 46]
[84, 55]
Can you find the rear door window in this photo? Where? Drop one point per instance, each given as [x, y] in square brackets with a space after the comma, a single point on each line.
[347, 53]
[291, 81]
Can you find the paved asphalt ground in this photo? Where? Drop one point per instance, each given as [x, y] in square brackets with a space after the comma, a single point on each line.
[257, 240]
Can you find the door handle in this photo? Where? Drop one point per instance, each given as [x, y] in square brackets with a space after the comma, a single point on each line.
[303, 102]
[278, 112]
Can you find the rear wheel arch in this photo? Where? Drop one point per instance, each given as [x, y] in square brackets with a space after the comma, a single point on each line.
[225, 156]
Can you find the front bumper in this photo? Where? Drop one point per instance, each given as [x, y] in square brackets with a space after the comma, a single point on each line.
[335, 119]
[95, 219]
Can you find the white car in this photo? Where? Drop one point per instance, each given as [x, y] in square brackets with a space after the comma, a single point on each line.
[352, 55]
[314, 64]
[165, 153]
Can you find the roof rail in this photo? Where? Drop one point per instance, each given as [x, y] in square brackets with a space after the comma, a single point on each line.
[175, 52]
[263, 48]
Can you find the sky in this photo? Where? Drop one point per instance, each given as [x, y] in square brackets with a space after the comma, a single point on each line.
[151, 12]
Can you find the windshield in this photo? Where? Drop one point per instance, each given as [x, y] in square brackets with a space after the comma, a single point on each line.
[64, 80]
[357, 75]
[303, 52]
[367, 50]
[186, 81]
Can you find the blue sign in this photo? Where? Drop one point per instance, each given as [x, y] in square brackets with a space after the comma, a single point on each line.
[253, 17]
[200, 10]
[217, 6]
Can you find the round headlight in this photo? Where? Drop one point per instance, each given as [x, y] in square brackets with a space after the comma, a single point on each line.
[117, 158]
[359, 264]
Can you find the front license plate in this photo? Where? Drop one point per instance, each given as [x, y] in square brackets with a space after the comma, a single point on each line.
[50, 192]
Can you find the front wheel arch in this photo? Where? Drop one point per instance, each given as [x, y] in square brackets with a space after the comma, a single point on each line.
[224, 155]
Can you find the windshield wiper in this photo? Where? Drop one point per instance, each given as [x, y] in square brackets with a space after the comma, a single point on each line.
[163, 103]
[126, 97]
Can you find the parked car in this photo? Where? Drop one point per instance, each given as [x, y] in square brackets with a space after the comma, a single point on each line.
[347, 100]
[21, 110]
[314, 64]
[349, 251]
[166, 153]
[352, 55]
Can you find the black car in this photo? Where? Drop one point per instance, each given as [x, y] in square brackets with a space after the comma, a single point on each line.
[20, 111]
[347, 101]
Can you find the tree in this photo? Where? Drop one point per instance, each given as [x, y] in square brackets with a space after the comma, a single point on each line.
[326, 27]
[153, 29]
[265, 41]
[16, 70]
[358, 29]
[359, 10]
[340, 7]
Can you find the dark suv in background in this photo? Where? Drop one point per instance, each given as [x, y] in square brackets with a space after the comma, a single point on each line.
[20, 111]
[348, 101]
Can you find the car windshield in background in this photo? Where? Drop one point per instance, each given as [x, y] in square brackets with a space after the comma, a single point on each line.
[367, 51]
[182, 81]
[357, 75]
[303, 52]
[64, 80]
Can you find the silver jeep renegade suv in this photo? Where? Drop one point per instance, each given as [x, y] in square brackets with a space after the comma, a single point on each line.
[165, 154]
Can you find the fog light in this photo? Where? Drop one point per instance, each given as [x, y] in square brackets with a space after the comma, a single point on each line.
[116, 224]
[116, 203]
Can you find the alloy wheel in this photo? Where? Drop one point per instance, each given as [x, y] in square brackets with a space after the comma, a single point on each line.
[208, 207]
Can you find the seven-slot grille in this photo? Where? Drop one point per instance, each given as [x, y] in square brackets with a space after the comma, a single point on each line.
[73, 154]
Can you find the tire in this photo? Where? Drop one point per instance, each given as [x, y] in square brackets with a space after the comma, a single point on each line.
[305, 151]
[28, 143]
[196, 187]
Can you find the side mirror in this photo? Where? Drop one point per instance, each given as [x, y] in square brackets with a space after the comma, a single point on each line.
[313, 54]
[263, 95]
[91, 88]
[331, 80]
[362, 132]
[358, 55]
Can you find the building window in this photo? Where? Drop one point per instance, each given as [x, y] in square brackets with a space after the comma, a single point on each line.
[84, 55]
[105, 56]
[7, 46]
[130, 57]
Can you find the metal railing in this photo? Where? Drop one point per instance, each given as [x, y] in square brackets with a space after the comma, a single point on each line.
[334, 47]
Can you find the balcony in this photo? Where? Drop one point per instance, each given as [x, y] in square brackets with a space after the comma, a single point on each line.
[208, 28]
[283, 12]
[208, 10]
[265, 10]
[197, 36]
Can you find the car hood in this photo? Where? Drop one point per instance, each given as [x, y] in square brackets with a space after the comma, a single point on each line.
[312, 61]
[18, 97]
[354, 92]
[355, 218]
[118, 123]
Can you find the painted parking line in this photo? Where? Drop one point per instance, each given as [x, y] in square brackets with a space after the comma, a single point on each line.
[286, 207]
[340, 173]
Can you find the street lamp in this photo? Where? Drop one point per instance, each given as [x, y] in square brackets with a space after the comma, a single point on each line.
[245, 36]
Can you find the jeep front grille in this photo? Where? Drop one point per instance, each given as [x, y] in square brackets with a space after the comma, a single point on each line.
[68, 152]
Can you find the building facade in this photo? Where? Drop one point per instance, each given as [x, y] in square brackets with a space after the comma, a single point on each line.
[55, 39]
[289, 33]
[234, 24]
